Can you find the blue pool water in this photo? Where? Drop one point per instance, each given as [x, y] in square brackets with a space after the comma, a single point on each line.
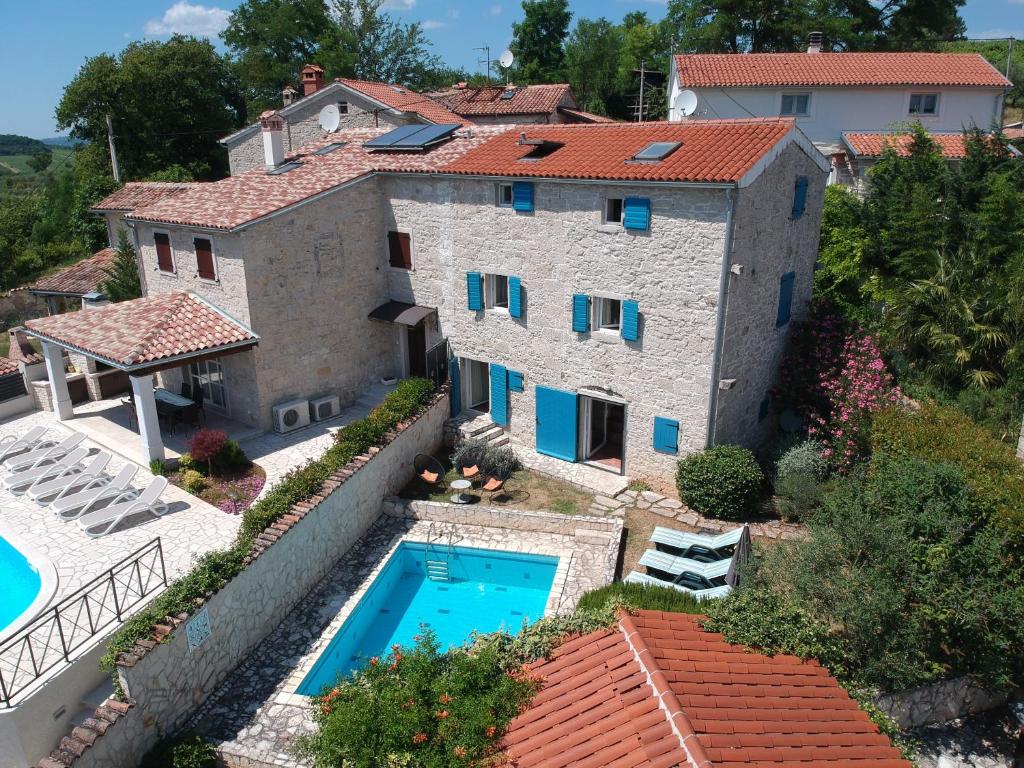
[20, 583]
[489, 590]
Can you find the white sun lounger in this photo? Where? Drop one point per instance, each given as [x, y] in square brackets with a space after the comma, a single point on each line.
[103, 521]
[45, 469]
[701, 594]
[69, 506]
[677, 566]
[72, 477]
[684, 541]
[12, 444]
[44, 453]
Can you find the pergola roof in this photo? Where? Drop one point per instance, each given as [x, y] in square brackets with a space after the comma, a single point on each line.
[148, 332]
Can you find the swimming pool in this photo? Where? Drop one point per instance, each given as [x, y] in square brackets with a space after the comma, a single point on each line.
[21, 582]
[489, 590]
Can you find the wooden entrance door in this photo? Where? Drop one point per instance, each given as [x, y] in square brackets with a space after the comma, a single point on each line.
[417, 349]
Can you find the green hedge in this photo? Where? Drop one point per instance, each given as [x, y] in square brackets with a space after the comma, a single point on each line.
[642, 597]
[216, 569]
[724, 482]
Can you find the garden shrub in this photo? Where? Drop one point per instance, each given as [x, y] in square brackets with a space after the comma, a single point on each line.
[364, 433]
[642, 597]
[185, 461]
[722, 482]
[500, 461]
[803, 458]
[186, 750]
[231, 456]
[205, 444]
[797, 495]
[156, 467]
[468, 453]
[193, 481]
[419, 707]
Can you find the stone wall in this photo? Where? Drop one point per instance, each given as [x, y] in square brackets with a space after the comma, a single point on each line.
[18, 306]
[166, 681]
[938, 703]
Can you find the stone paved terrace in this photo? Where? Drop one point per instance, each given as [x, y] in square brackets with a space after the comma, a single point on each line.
[254, 717]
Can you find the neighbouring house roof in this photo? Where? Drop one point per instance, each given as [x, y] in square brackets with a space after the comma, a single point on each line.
[404, 100]
[146, 331]
[487, 100]
[871, 145]
[20, 350]
[657, 691]
[831, 70]
[80, 278]
[578, 115]
[138, 194]
[8, 366]
[1013, 133]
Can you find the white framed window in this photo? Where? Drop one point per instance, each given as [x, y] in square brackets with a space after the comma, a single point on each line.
[607, 314]
[208, 376]
[795, 104]
[503, 195]
[924, 104]
[612, 211]
[496, 292]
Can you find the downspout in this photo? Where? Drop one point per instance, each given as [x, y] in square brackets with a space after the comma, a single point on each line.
[130, 226]
[723, 299]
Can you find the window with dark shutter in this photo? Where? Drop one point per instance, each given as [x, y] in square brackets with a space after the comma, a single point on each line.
[164, 260]
[399, 250]
[204, 258]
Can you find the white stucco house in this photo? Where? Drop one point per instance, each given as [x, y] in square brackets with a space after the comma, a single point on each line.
[832, 94]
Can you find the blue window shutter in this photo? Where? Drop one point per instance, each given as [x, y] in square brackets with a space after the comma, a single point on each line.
[785, 299]
[556, 423]
[515, 381]
[475, 290]
[800, 197]
[522, 196]
[580, 313]
[515, 297]
[499, 394]
[666, 435]
[630, 326]
[637, 213]
[456, 391]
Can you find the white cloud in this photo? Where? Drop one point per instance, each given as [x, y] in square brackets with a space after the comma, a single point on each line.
[495, 10]
[1017, 34]
[187, 19]
[398, 5]
[432, 24]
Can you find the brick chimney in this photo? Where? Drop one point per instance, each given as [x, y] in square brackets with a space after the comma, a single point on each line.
[273, 138]
[288, 95]
[814, 42]
[21, 351]
[312, 79]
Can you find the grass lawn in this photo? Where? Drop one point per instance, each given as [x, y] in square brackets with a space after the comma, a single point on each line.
[524, 490]
[18, 164]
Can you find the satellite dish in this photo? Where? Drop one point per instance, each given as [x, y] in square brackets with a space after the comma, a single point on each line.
[506, 59]
[330, 118]
[686, 103]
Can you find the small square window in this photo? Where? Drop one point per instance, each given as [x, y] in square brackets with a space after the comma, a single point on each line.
[924, 103]
[795, 103]
[613, 210]
[607, 314]
[343, 107]
[497, 292]
[504, 196]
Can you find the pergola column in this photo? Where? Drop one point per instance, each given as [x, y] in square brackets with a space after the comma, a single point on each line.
[149, 421]
[54, 357]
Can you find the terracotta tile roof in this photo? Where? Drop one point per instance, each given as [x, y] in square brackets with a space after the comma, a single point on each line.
[239, 199]
[7, 366]
[711, 151]
[406, 100]
[20, 349]
[486, 100]
[659, 691]
[138, 194]
[578, 115]
[826, 70]
[1013, 133]
[79, 279]
[148, 330]
[874, 144]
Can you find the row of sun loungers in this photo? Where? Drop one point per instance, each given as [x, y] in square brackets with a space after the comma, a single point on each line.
[689, 562]
[62, 475]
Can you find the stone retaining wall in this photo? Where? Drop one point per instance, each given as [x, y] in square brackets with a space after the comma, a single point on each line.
[165, 680]
[938, 703]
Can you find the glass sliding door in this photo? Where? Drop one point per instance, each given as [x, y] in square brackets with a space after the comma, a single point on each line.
[208, 376]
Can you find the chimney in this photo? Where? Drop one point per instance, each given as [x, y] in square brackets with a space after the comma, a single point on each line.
[814, 42]
[312, 79]
[273, 138]
[288, 95]
[21, 350]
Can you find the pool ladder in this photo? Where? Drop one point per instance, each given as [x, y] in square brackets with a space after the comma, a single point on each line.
[437, 565]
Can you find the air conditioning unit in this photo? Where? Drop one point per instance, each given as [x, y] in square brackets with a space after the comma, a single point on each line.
[324, 407]
[291, 415]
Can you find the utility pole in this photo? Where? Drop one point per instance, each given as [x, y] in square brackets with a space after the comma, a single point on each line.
[487, 59]
[1009, 53]
[113, 151]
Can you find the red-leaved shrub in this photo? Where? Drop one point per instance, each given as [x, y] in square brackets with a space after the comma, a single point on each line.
[205, 444]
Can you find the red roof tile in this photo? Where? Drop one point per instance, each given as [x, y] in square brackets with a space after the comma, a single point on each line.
[873, 144]
[405, 99]
[487, 100]
[578, 115]
[146, 330]
[138, 194]
[8, 366]
[20, 348]
[660, 691]
[711, 151]
[80, 278]
[701, 70]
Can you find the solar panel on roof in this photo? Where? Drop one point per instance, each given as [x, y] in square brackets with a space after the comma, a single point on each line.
[390, 137]
[657, 150]
[412, 137]
[509, 93]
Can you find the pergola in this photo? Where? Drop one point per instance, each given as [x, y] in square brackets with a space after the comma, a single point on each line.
[140, 337]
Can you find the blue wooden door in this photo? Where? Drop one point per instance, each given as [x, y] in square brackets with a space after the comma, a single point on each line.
[556, 423]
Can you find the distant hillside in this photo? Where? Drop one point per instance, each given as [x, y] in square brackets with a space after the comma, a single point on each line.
[63, 141]
[12, 144]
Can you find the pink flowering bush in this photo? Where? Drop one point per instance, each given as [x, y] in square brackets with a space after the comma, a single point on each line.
[834, 377]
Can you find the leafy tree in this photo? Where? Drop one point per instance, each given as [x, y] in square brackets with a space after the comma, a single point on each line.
[592, 63]
[122, 281]
[40, 161]
[170, 102]
[840, 275]
[537, 41]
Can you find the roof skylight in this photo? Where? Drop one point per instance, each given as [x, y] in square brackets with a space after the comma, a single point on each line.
[326, 149]
[657, 150]
[284, 168]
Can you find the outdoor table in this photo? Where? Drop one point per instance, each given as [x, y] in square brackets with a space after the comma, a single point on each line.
[166, 396]
[171, 406]
[459, 486]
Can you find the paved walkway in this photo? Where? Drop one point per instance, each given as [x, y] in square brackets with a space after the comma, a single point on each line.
[576, 473]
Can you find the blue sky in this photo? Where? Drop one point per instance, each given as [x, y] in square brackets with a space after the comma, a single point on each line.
[46, 41]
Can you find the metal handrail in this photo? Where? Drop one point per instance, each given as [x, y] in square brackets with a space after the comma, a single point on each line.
[50, 639]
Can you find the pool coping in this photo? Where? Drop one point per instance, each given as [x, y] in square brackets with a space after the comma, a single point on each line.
[48, 581]
[289, 694]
